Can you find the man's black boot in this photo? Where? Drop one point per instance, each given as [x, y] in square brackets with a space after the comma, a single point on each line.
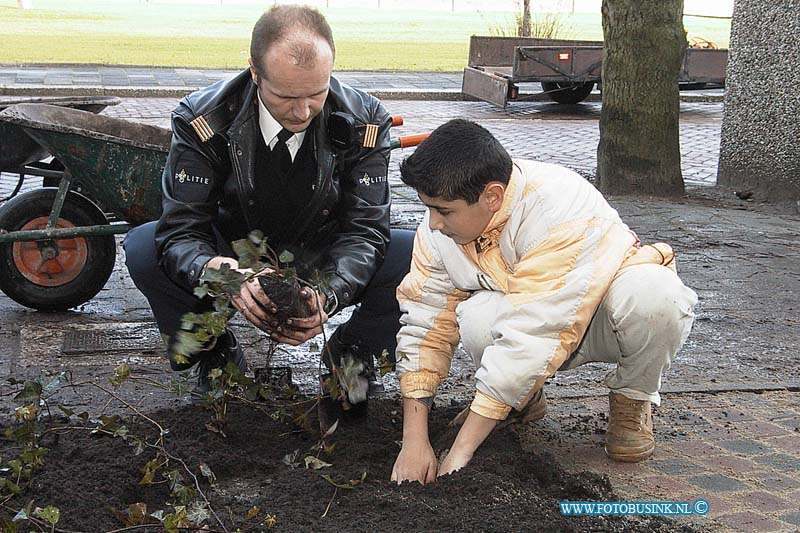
[375, 382]
[226, 349]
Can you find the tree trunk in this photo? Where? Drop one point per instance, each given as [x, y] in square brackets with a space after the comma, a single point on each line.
[639, 150]
[525, 27]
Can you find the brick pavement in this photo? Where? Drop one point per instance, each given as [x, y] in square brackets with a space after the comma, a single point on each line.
[740, 451]
[543, 131]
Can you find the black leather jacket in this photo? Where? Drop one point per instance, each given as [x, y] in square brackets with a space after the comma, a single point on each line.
[209, 188]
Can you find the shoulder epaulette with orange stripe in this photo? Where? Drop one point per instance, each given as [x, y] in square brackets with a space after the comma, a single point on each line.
[208, 124]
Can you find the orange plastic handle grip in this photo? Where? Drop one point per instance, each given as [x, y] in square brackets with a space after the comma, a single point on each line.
[413, 140]
[397, 120]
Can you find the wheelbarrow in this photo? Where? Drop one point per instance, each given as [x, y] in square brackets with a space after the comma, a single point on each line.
[20, 154]
[57, 246]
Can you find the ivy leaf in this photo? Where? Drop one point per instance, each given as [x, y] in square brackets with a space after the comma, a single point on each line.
[33, 456]
[290, 459]
[30, 392]
[197, 513]
[149, 470]
[247, 252]
[178, 489]
[134, 515]
[206, 471]
[384, 364]
[50, 514]
[186, 344]
[13, 487]
[173, 522]
[112, 425]
[201, 291]
[138, 445]
[56, 383]
[286, 257]
[121, 374]
[348, 486]
[223, 280]
[26, 412]
[331, 430]
[315, 464]
[269, 521]
[256, 237]
[22, 514]
[253, 391]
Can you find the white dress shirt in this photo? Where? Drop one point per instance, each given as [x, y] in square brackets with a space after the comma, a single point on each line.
[270, 128]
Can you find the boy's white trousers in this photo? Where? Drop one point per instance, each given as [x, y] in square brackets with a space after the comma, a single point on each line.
[641, 323]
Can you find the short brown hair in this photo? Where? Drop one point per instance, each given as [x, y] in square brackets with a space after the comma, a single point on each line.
[456, 162]
[278, 21]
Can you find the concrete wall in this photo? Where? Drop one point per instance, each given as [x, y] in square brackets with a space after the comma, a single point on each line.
[760, 145]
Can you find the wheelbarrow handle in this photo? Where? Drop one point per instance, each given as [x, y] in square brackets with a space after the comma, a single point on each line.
[397, 120]
[408, 140]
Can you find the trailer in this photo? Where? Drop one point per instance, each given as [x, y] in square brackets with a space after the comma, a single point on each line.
[567, 70]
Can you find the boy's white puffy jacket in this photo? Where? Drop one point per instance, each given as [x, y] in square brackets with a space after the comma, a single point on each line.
[552, 249]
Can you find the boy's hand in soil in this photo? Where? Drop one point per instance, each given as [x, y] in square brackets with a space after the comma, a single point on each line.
[471, 435]
[416, 461]
[299, 330]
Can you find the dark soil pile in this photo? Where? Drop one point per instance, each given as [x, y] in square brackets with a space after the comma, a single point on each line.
[504, 488]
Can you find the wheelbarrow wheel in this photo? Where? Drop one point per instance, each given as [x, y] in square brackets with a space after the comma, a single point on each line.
[60, 274]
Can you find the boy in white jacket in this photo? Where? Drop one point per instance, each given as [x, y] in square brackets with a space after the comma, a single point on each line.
[527, 265]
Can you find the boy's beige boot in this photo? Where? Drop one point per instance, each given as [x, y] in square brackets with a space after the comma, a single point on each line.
[630, 429]
[535, 410]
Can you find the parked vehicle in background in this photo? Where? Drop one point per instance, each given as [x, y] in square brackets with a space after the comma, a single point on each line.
[568, 70]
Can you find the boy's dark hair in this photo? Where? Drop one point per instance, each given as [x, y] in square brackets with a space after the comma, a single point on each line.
[278, 21]
[456, 162]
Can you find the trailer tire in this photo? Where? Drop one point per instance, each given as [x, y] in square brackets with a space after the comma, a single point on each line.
[81, 266]
[567, 92]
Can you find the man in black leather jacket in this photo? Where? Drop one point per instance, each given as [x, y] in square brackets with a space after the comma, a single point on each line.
[267, 150]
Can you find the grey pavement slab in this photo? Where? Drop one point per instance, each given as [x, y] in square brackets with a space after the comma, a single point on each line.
[12, 76]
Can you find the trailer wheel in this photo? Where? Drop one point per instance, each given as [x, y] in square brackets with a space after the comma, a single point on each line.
[567, 92]
[59, 274]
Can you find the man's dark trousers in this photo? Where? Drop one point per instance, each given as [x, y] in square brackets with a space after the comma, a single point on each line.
[373, 325]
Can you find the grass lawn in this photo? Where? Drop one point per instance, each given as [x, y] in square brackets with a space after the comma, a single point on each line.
[129, 32]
